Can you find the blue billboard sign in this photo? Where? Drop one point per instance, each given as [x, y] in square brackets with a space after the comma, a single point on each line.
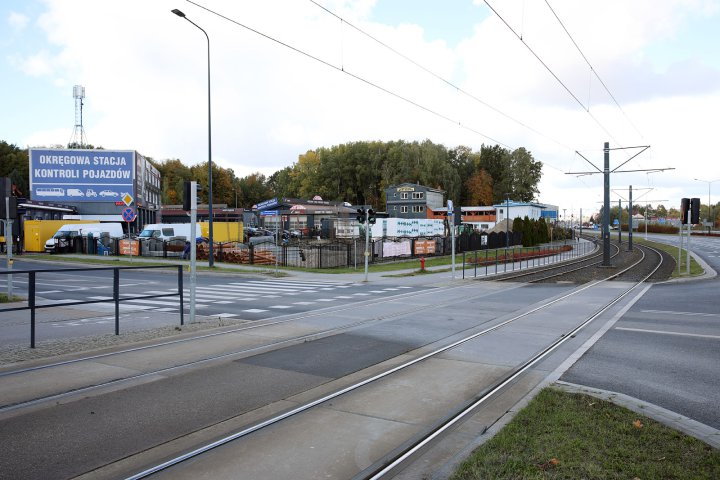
[81, 175]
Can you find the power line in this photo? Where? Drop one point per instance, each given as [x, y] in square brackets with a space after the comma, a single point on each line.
[582, 105]
[357, 77]
[439, 77]
[593, 69]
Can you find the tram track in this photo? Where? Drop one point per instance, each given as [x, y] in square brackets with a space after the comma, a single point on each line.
[390, 465]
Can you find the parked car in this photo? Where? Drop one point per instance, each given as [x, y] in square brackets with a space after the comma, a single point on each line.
[108, 193]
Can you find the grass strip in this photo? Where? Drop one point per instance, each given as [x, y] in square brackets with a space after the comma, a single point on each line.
[563, 435]
[4, 298]
[695, 268]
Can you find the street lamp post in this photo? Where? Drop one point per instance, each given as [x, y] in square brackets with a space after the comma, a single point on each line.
[211, 258]
[709, 182]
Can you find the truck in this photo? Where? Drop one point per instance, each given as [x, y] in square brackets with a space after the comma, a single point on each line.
[222, 231]
[67, 232]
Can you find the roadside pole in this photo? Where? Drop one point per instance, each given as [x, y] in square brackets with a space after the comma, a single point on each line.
[451, 224]
[277, 241]
[9, 247]
[680, 245]
[687, 258]
[367, 241]
[193, 245]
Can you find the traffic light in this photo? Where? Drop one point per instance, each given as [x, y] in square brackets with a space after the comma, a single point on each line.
[6, 193]
[361, 215]
[457, 214]
[684, 206]
[186, 194]
[695, 211]
[371, 216]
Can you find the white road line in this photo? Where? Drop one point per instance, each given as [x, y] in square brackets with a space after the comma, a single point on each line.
[166, 309]
[48, 291]
[254, 310]
[325, 300]
[692, 314]
[304, 286]
[291, 283]
[390, 289]
[665, 332]
[270, 296]
[280, 306]
[251, 288]
[225, 315]
[154, 302]
[343, 296]
[361, 294]
[100, 298]
[223, 302]
[377, 291]
[302, 303]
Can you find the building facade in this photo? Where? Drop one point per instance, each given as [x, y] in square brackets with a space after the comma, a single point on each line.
[410, 200]
[98, 184]
[533, 210]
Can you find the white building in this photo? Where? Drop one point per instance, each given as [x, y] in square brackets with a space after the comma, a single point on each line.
[532, 210]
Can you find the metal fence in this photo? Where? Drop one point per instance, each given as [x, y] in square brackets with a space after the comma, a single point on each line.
[531, 256]
[116, 299]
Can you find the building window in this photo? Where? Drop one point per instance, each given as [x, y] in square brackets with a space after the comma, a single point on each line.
[395, 195]
[501, 210]
[404, 196]
[404, 209]
[418, 208]
[418, 195]
[395, 208]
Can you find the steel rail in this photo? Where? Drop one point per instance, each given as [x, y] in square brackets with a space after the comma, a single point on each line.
[411, 450]
[308, 336]
[294, 411]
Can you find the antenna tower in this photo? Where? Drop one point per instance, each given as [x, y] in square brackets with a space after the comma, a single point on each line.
[78, 140]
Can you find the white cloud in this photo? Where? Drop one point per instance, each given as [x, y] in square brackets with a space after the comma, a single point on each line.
[144, 70]
[18, 21]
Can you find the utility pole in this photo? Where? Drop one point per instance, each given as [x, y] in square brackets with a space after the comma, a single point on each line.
[620, 221]
[9, 247]
[606, 205]
[367, 241]
[630, 223]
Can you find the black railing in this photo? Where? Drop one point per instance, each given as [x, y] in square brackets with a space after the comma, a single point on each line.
[32, 306]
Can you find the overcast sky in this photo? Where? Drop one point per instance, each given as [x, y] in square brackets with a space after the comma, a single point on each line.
[144, 70]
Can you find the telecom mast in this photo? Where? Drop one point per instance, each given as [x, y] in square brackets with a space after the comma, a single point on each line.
[78, 140]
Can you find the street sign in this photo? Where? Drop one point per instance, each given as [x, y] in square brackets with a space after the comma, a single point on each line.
[127, 199]
[269, 213]
[129, 247]
[128, 215]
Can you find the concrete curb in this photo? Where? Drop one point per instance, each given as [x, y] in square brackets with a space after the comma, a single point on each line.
[709, 272]
[687, 425]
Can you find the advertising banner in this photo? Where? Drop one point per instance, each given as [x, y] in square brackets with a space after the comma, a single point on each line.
[71, 176]
[424, 247]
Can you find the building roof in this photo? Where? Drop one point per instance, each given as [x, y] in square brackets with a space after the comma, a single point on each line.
[513, 203]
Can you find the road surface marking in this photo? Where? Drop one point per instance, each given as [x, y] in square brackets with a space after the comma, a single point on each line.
[670, 312]
[665, 332]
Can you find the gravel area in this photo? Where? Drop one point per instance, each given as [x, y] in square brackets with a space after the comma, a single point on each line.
[50, 348]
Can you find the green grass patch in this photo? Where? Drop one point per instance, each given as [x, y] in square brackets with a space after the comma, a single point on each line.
[5, 299]
[695, 268]
[567, 436]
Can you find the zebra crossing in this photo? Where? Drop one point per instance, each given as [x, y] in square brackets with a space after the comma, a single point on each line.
[250, 298]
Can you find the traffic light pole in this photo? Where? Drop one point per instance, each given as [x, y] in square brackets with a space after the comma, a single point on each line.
[367, 241]
[9, 247]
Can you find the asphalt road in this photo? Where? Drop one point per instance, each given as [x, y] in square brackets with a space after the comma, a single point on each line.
[247, 297]
[665, 350]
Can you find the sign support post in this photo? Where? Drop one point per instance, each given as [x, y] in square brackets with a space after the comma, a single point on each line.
[9, 247]
[193, 253]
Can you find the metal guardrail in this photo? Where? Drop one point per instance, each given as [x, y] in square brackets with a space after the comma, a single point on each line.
[532, 256]
[32, 306]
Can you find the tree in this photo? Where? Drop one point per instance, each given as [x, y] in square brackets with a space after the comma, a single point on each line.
[479, 189]
[661, 211]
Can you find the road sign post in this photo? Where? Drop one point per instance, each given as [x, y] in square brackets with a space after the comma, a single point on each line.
[193, 247]
[9, 247]
[129, 215]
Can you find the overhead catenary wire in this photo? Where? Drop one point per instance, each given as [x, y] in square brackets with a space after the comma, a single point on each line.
[355, 76]
[554, 75]
[592, 69]
[439, 77]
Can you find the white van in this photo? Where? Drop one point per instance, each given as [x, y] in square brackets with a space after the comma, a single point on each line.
[67, 232]
[166, 231]
[75, 192]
